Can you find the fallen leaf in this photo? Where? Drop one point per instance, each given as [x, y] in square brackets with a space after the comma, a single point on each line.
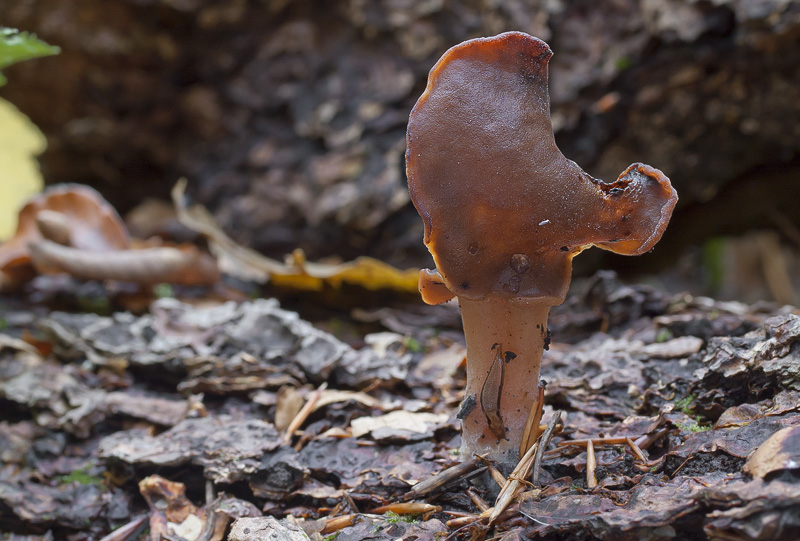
[296, 272]
[397, 422]
[780, 452]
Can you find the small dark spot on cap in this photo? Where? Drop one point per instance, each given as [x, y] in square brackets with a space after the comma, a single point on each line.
[626, 217]
[495, 345]
[465, 285]
[564, 249]
[510, 356]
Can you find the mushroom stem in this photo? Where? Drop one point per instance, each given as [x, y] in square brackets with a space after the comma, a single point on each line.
[505, 339]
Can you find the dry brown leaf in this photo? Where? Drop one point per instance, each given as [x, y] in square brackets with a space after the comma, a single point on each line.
[780, 452]
[93, 225]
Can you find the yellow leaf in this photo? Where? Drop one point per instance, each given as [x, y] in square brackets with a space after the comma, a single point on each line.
[295, 272]
[20, 179]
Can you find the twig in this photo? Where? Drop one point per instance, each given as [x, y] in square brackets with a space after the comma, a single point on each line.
[543, 443]
[679, 468]
[594, 441]
[649, 439]
[442, 478]
[303, 414]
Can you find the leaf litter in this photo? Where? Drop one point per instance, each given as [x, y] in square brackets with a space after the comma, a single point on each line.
[200, 422]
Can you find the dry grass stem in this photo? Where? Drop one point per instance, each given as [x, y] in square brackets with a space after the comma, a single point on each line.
[636, 451]
[594, 441]
[498, 477]
[543, 443]
[509, 490]
[477, 500]
[303, 414]
[591, 466]
[532, 429]
[350, 503]
[460, 522]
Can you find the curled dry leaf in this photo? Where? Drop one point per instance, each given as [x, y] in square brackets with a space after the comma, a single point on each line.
[93, 225]
[72, 229]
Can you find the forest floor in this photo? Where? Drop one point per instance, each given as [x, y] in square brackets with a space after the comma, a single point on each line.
[176, 422]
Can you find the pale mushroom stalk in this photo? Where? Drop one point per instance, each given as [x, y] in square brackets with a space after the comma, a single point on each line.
[505, 340]
[504, 214]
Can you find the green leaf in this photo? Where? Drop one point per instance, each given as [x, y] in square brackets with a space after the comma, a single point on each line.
[16, 46]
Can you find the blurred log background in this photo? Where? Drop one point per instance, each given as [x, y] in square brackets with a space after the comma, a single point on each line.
[288, 117]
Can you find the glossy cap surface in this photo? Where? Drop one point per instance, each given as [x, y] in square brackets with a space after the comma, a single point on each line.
[504, 210]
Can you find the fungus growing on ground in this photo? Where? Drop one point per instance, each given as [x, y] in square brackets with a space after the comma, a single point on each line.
[504, 213]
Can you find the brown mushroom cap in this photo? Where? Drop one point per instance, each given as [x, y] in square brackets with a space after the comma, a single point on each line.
[504, 210]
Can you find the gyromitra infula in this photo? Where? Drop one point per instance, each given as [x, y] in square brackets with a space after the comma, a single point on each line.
[504, 213]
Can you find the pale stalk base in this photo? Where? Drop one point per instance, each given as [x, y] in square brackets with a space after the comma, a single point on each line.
[519, 327]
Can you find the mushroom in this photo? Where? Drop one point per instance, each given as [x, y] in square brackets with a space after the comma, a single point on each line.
[504, 214]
